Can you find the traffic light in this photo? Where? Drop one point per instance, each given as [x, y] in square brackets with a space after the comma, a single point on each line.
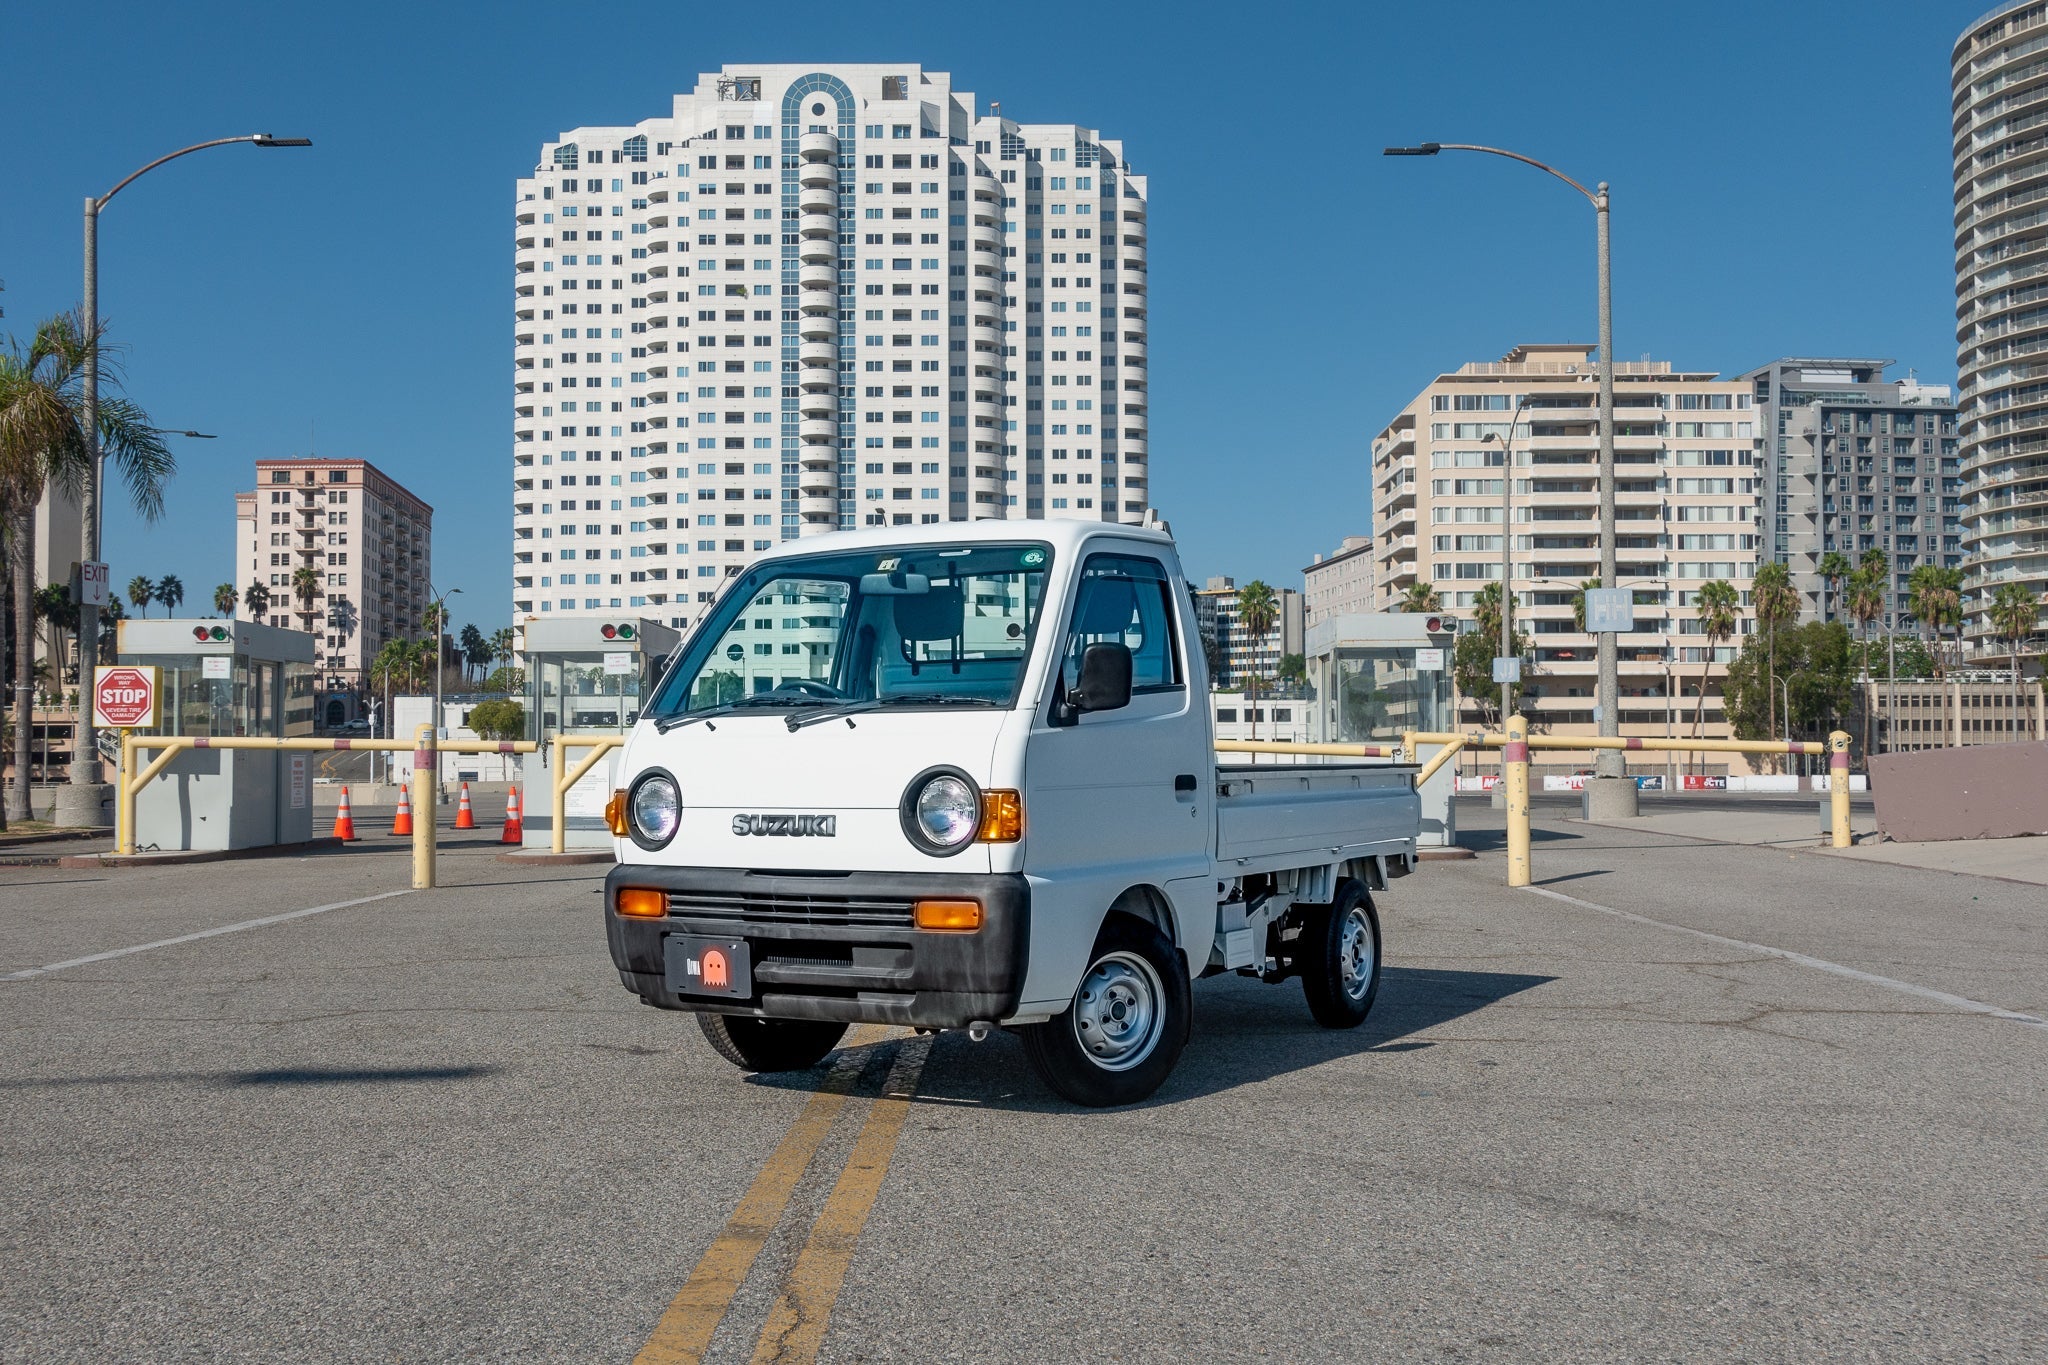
[204, 634]
[622, 631]
[1440, 625]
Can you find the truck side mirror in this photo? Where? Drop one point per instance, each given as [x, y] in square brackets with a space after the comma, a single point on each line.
[1105, 682]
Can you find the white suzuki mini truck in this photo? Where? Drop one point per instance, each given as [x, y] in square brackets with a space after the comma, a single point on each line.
[964, 776]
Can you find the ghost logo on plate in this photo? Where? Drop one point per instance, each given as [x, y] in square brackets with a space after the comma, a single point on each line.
[717, 971]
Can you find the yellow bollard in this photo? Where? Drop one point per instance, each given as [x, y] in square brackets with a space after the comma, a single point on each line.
[1838, 787]
[1515, 760]
[426, 763]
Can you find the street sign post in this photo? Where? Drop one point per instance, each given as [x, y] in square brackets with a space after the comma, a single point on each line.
[124, 697]
[1610, 611]
[1507, 668]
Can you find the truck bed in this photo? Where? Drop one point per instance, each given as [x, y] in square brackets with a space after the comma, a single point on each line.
[1273, 816]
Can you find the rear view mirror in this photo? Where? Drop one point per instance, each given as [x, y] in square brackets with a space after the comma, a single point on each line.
[898, 584]
[1105, 682]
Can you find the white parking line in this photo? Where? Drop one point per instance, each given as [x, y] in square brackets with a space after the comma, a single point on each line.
[203, 933]
[1956, 1002]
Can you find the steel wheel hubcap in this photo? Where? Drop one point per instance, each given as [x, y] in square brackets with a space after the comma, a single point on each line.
[1354, 953]
[1117, 1017]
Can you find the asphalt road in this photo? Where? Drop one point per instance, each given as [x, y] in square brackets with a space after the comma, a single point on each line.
[1621, 1126]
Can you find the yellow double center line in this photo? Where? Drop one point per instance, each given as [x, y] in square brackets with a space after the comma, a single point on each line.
[796, 1324]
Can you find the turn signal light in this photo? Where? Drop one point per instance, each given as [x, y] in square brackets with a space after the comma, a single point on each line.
[615, 814]
[642, 902]
[1002, 816]
[956, 916]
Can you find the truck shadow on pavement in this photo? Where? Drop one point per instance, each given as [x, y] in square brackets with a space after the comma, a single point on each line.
[279, 1076]
[1244, 1032]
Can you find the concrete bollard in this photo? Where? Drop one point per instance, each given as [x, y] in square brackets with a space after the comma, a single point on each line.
[1515, 765]
[1838, 788]
[426, 762]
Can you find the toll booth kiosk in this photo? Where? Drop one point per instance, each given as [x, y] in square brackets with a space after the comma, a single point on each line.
[1377, 675]
[585, 676]
[223, 678]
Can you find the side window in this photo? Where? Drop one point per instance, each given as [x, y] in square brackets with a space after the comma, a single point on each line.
[1129, 600]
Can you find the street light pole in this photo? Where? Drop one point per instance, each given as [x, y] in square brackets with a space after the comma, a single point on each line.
[440, 626]
[85, 761]
[1608, 798]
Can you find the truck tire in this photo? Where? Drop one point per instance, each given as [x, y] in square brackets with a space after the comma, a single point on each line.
[770, 1044]
[1125, 1029]
[1339, 957]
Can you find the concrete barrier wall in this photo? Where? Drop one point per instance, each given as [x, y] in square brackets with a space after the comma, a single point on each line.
[1983, 791]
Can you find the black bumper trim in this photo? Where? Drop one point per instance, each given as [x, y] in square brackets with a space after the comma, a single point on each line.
[952, 979]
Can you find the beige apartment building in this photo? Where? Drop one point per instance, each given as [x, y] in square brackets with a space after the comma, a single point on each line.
[368, 538]
[1339, 584]
[1685, 514]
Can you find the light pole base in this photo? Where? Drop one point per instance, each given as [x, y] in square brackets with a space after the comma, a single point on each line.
[1611, 798]
[84, 806]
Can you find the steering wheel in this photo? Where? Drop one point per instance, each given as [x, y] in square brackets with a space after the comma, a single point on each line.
[810, 687]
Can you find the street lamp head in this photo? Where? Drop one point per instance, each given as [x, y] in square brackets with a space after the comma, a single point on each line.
[266, 140]
[1421, 149]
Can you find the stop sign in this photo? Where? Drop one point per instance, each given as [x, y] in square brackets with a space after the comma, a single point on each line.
[124, 696]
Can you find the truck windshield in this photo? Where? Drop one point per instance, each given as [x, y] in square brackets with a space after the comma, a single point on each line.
[929, 624]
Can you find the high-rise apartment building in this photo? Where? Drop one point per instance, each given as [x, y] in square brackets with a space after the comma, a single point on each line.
[1239, 654]
[1999, 83]
[810, 298]
[1339, 584]
[368, 542]
[1684, 515]
[1848, 461]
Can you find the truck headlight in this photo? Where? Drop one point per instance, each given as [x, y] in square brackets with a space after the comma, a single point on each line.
[941, 811]
[654, 809]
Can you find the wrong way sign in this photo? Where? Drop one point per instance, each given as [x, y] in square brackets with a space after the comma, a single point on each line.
[124, 696]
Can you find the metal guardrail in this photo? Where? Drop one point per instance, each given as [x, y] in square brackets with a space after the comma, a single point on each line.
[1516, 743]
[426, 749]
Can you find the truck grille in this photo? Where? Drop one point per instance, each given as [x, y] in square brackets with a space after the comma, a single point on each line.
[771, 908]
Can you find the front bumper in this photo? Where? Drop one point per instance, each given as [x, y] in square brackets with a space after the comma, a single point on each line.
[839, 946]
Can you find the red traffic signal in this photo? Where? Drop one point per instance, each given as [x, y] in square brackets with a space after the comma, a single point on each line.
[1440, 625]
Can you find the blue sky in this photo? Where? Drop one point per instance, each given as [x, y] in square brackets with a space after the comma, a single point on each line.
[1780, 171]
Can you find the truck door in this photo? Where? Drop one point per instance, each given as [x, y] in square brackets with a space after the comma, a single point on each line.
[1124, 798]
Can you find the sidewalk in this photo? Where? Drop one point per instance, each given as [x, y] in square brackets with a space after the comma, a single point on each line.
[2018, 860]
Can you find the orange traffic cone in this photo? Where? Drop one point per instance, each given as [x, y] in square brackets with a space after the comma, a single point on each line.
[465, 818]
[344, 822]
[402, 824]
[515, 828]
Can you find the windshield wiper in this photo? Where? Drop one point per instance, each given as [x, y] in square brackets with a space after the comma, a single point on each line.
[668, 723]
[877, 703]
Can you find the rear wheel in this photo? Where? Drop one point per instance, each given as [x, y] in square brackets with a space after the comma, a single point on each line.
[1125, 1029]
[1339, 957]
[770, 1044]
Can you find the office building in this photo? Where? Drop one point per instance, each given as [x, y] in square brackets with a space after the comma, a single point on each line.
[1684, 515]
[1339, 584]
[809, 298]
[2000, 128]
[1239, 654]
[1848, 461]
[368, 541]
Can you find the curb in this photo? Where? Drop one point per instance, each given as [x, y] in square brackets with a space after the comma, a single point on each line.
[10, 842]
[1453, 854]
[210, 855]
[569, 859]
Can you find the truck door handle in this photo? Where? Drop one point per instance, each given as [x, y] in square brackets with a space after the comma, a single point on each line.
[1185, 782]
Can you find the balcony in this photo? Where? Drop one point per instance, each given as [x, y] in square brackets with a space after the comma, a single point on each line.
[819, 353]
[819, 202]
[814, 429]
[818, 251]
[817, 146]
[818, 175]
[819, 277]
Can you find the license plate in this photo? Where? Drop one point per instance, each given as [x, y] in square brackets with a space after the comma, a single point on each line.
[709, 966]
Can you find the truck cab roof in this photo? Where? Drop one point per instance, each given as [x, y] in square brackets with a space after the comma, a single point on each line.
[1061, 535]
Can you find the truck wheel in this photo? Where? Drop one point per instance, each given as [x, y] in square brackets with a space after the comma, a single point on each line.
[1127, 1025]
[770, 1044]
[1340, 957]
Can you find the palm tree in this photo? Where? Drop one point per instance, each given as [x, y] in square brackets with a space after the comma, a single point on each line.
[1256, 609]
[401, 665]
[43, 443]
[501, 644]
[1834, 567]
[141, 591]
[1776, 603]
[1579, 604]
[224, 599]
[1422, 597]
[306, 587]
[2013, 614]
[1937, 596]
[256, 597]
[476, 650]
[1717, 604]
[170, 590]
[1866, 603]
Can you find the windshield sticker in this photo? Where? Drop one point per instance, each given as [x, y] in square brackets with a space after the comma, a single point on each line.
[1031, 559]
